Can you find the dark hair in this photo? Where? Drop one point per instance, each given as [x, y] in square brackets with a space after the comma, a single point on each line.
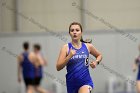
[37, 46]
[26, 45]
[76, 23]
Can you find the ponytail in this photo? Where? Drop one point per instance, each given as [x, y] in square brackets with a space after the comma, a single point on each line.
[86, 41]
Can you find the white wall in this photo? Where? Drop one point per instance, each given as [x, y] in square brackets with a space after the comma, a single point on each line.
[0, 18]
[57, 15]
[7, 17]
[118, 54]
[121, 13]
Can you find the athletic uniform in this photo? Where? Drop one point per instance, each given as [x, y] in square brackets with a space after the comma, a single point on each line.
[138, 62]
[28, 70]
[77, 69]
[38, 75]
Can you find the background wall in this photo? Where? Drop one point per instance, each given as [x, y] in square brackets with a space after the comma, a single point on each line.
[118, 54]
[57, 15]
[7, 18]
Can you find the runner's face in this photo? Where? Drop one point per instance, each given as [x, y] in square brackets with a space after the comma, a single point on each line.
[75, 32]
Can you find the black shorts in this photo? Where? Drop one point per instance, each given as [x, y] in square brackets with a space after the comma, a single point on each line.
[34, 82]
[37, 81]
[29, 81]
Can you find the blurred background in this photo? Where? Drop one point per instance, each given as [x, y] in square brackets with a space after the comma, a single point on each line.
[113, 26]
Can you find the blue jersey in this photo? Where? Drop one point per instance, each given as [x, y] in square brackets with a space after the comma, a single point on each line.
[39, 72]
[28, 69]
[138, 62]
[77, 69]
